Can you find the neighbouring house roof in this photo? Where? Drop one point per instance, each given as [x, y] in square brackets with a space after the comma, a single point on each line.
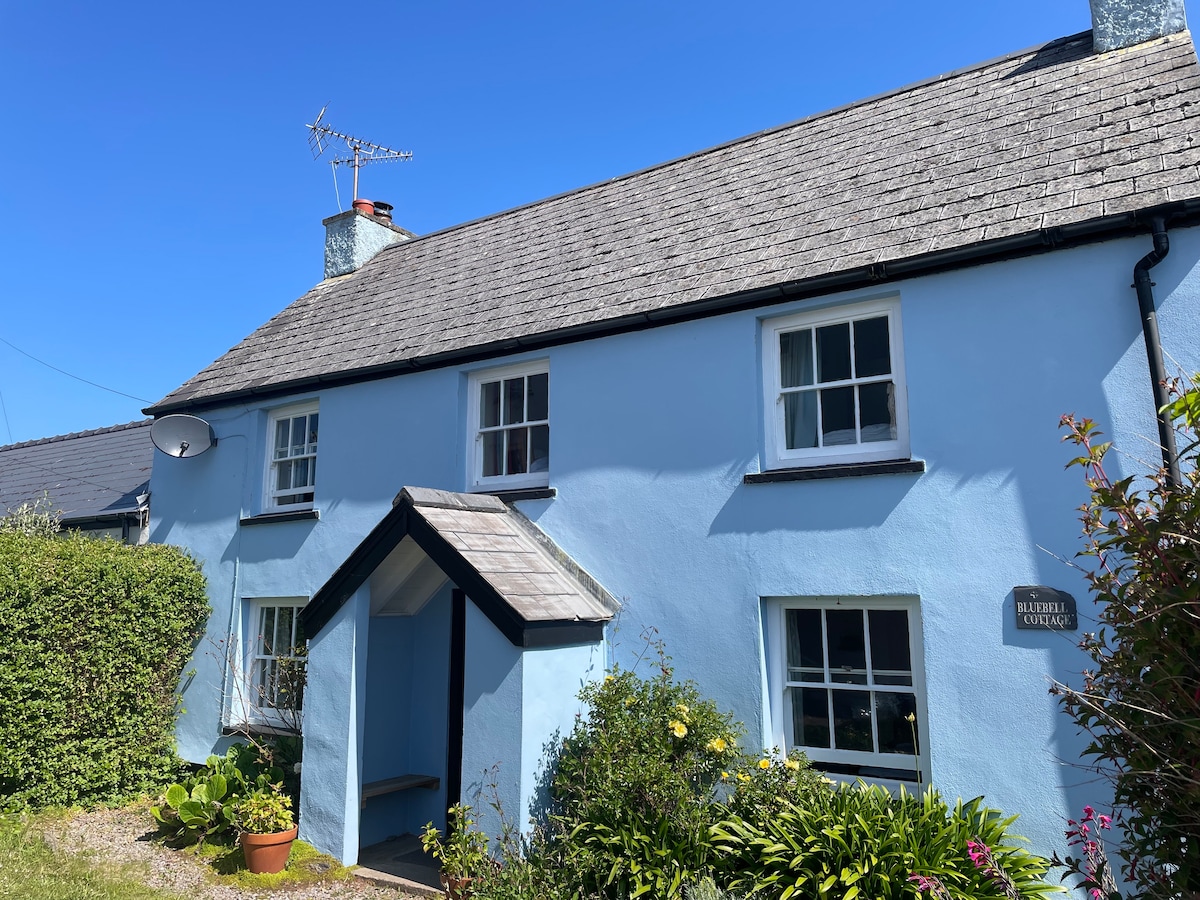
[1051, 146]
[531, 590]
[88, 475]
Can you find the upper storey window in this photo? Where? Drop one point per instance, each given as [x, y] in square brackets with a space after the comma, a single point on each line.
[834, 381]
[509, 427]
[292, 457]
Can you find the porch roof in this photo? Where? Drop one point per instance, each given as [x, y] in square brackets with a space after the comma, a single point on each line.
[533, 592]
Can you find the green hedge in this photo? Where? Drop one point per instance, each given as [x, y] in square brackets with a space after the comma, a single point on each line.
[94, 636]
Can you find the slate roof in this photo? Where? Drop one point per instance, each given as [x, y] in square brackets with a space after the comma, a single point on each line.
[1052, 145]
[532, 590]
[87, 474]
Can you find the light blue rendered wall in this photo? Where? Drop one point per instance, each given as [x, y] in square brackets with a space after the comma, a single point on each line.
[652, 433]
[492, 723]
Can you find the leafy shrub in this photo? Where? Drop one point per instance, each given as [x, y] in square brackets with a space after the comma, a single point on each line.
[1139, 701]
[635, 783]
[96, 635]
[862, 841]
[205, 804]
[766, 785]
[38, 518]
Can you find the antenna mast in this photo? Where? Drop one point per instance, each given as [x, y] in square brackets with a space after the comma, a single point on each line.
[363, 152]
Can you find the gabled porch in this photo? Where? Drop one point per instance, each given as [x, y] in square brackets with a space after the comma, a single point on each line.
[449, 645]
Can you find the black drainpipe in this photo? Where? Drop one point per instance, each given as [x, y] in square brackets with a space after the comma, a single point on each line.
[1158, 374]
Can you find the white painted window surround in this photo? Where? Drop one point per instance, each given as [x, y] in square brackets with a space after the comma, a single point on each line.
[291, 464]
[834, 388]
[845, 675]
[508, 427]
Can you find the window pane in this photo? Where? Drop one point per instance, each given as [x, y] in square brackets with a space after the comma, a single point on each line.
[890, 658]
[833, 352]
[493, 444]
[539, 394]
[514, 401]
[804, 639]
[796, 358]
[489, 404]
[800, 420]
[872, 355]
[282, 438]
[852, 720]
[837, 417]
[300, 473]
[493, 449]
[896, 733]
[518, 448]
[283, 476]
[539, 448]
[283, 630]
[810, 716]
[266, 633]
[877, 409]
[312, 433]
[299, 432]
[847, 647]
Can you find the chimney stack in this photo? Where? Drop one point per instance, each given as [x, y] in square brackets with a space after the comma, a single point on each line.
[356, 235]
[1123, 23]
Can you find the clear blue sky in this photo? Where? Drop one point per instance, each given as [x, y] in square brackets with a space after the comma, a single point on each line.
[159, 200]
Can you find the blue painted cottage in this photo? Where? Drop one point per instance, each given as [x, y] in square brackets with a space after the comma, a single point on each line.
[793, 401]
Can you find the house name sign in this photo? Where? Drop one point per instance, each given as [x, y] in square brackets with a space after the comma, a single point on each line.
[1038, 606]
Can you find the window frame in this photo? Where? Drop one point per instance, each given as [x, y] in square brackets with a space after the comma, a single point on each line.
[244, 708]
[476, 480]
[891, 767]
[777, 454]
[269, 504]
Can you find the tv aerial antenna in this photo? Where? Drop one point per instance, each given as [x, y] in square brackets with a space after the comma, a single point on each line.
[361, 152]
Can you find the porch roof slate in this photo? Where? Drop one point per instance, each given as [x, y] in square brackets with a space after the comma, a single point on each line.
[1035, 144]
[511, 569]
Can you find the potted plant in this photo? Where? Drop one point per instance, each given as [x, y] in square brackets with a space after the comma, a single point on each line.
[462, 853]
[267, 827]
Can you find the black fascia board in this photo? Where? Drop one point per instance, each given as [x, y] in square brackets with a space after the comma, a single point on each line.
[1178, 214]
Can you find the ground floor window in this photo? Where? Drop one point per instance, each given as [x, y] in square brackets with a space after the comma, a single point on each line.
[273, 678]
[847, 683]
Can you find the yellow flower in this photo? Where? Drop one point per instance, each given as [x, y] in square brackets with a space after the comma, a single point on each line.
[629, 701]
[743, 777]
[724, 776]
[911, 717]
[791, 764]
[717, 745]
[677, 728]
[681, 708]
[764, 763]
[609, 679]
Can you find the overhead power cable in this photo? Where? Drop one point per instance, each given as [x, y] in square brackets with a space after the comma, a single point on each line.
[69, 375]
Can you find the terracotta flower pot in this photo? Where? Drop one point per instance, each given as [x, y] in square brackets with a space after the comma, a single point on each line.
[267, 854]
[456, 888]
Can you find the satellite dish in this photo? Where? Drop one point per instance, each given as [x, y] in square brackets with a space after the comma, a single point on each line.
[182, 436]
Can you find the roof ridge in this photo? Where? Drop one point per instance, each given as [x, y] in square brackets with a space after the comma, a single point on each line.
[140, 423]
[803, 120]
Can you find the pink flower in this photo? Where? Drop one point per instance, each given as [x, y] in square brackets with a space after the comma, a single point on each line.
[1088, 814]
[1105, 821]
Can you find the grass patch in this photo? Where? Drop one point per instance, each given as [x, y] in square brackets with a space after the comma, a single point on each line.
[31, 870]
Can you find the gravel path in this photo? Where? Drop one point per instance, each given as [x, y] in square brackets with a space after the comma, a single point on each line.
[122, 836]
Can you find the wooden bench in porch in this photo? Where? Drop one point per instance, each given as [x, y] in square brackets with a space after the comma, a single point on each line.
[399, 783]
